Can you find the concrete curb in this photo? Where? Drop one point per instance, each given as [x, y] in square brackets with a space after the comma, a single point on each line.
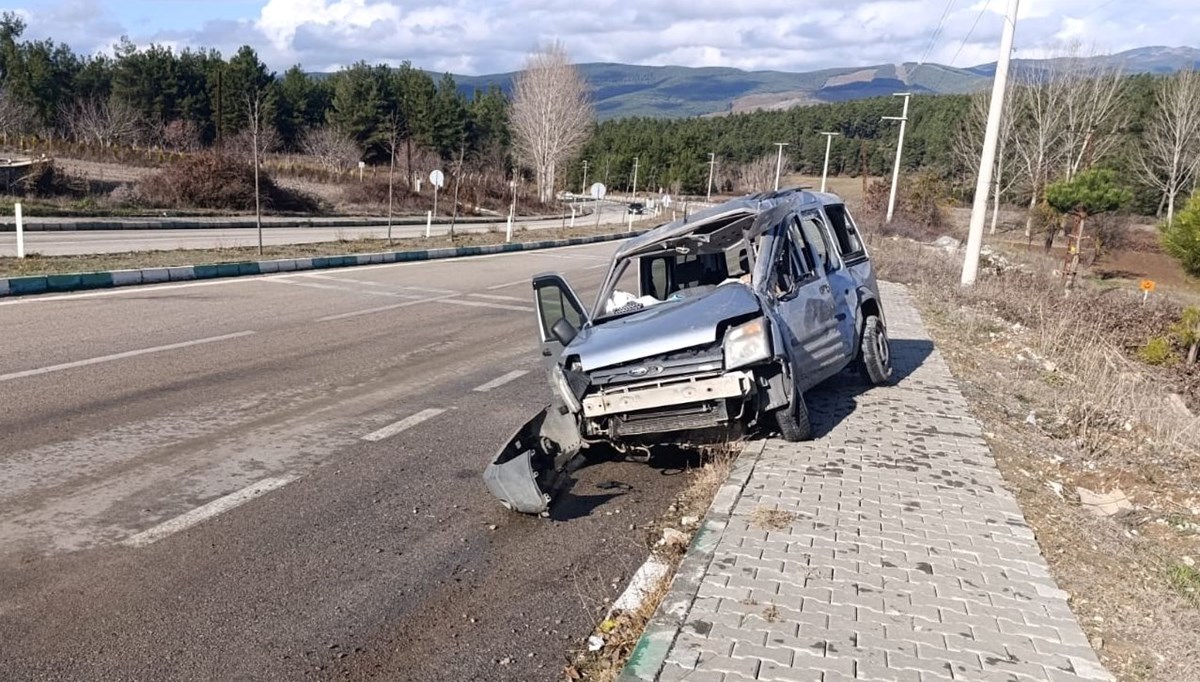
[35, 224]
[59, 283]
[652, 648]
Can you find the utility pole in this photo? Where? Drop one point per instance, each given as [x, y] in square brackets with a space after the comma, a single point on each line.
[828, 143]
[584, 189]
[991, 136]
[635, 170]
[779, 162]
[712, 162]
[903, 118]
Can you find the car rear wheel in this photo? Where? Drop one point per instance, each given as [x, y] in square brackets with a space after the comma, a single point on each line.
[875, 352]
[793, 420]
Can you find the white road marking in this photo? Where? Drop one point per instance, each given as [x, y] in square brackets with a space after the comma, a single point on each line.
[121, 356]
[402, 425]
[203, 513]
[501, 380]
[333, 287]
[494, 287]
[142, 289]
[640, 585]
[494, 297]
[369, 283]
[484, 304]
[367, 311]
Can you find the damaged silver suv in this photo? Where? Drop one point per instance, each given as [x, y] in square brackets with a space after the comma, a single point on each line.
[703, 328]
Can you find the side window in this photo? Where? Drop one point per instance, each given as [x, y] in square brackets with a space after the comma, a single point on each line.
[804, 254]
[553, 304]
[848, 240]
[656, 284]
[790, 266]
[814, 236]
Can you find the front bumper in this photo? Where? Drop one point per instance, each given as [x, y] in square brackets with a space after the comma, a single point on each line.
[669, 393]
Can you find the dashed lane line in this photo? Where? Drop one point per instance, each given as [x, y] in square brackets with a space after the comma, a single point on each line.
[402, 425]
[201, 514]
[501, 380]
[523, 280]
[121, 356]
[494, 297]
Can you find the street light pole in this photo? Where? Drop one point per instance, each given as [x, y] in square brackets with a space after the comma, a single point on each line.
[779, 162]
[583, 190]
[634, 198]
[712, 162]
[987, 160]
[903, 118]
[828, 143]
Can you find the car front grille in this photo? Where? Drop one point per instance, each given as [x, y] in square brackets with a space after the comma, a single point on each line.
[707, 360]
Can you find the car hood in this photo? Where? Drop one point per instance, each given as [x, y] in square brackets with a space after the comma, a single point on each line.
[662, 328]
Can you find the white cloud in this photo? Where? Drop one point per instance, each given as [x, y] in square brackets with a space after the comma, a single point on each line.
[484, 36]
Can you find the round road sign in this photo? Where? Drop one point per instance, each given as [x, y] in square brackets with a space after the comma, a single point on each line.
[599, 190]
[438, 179]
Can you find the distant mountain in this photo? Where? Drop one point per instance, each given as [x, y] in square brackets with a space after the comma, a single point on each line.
[622, 90]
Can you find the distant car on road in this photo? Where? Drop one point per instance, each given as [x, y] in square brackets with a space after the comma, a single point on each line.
[738, 311]
[637, 209]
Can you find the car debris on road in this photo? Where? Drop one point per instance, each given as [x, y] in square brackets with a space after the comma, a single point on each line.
[739, 311]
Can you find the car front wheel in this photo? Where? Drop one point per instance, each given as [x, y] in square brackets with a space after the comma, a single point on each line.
[793, 420]
[875, 352]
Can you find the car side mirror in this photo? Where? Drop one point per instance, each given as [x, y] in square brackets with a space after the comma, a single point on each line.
[563, 331]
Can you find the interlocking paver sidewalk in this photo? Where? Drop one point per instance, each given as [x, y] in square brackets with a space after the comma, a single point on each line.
[900, 555]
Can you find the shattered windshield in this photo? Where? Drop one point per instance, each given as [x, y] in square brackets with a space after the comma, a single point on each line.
[678, 268]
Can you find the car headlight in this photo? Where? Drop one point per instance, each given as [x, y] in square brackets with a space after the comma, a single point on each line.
[564, 389]
[746, 344]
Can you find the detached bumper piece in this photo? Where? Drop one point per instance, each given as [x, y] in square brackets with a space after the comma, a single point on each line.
[523, 474]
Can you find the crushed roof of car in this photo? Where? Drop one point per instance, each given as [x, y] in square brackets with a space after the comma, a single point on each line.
[735, 209]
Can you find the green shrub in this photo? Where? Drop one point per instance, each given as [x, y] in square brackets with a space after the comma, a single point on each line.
[1157, 351]
[1182, 238]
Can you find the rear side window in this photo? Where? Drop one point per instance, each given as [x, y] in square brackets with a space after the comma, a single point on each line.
[814, 236]
[849, 243]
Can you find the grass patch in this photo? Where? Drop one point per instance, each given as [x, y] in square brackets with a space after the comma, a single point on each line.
[765, 518]
[1185, 580]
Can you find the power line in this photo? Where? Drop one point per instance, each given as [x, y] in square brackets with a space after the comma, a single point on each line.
[937, 31]
[971, 32]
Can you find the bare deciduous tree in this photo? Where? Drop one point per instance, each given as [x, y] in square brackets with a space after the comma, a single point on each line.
[334, 151]
[1037, 104]
[1092, 115]
[1170, 151]
[551, 114]
[180, 135]
[104, 122]
[15, 116]
[968, 146]
[759, 175]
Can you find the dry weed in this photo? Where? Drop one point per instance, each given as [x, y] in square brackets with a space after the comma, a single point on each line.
[765, 518]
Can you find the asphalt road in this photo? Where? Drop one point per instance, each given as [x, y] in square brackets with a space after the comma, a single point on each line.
[278, 478]
[116, 241]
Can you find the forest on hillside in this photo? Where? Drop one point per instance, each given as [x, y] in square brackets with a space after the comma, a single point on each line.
[188, 100]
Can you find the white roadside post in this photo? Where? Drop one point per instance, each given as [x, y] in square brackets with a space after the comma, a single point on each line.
[572, 216]
[437, 179]
[825, 170]
[712, 162]
[512, 210]
[987, 160]
[779, 162]
[20, 230]
[903, 118]
[598, 191]
[633, 199]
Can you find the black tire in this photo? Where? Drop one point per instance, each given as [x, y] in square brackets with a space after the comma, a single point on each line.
[793, 419]
[875, 355]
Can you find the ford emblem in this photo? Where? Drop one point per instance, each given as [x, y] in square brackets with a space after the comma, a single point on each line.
[639, 371]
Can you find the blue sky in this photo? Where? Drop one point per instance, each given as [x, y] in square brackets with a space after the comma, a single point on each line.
[486, 36]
